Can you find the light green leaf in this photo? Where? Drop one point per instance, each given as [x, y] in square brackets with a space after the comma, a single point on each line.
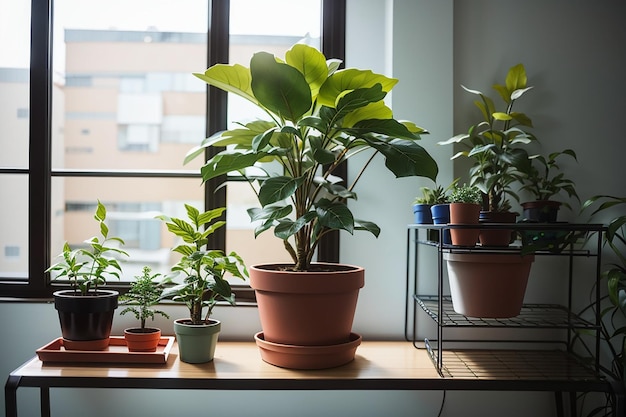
[311, 63]
[232, 78]
[347, 80]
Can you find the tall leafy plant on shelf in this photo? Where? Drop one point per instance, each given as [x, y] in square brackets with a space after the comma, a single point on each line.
[496, 143]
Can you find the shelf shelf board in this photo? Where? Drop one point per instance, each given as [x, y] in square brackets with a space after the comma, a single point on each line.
[536, 316]
[528, 365]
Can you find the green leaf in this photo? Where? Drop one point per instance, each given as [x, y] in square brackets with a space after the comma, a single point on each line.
[275, 189]
[279, 87]
[311, 63]
[209, 216]
[406, 158]
[367, 226]
[269, 212]
[334, 215]
[101, 212]
[226, 162]
[351, 79]
[287, 228]
[516, 78]
[232, 78]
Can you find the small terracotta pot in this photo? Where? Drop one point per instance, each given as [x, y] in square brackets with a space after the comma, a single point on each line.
[142, 339]
[464, 213]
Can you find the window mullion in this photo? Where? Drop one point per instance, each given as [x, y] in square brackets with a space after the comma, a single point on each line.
[217, 103]
[40, 143]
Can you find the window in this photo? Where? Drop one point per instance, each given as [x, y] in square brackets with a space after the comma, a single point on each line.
[114, 116]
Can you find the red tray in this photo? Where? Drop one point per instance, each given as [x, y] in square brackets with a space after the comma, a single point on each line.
[116, 353]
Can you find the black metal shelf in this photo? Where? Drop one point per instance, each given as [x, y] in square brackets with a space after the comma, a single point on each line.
[535, 316]
[514, 353]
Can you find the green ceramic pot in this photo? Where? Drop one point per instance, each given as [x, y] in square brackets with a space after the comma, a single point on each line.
[196, 343]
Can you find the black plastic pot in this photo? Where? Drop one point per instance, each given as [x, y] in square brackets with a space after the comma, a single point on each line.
[86, 320]
[541, 211]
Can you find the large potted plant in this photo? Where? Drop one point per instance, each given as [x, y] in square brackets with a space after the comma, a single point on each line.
[204, 282]
[543, 182]
[144, 293]
[496, 146]
[319, 116]
[86, 310]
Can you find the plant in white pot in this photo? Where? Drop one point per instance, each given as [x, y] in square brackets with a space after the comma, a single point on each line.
[86, 310]
[318, 117]
[144, 293]
[204, 282]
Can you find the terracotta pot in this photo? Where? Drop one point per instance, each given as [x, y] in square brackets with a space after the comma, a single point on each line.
[488, 285]
[541, 211]
[314, 308]
[140, 339]
[307, 357]
[196, 343]
[496, 237]
[86, 320]
[464, 213]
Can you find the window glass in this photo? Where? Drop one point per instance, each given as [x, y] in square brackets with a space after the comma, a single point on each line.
[261, 26]
[125, 83]
[14, 226]
[132, 205]
[14, 82]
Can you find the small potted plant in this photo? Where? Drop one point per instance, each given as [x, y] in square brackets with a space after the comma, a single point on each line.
[465, 205]
[496, 146]
[430, 197]
[86, 310]
[145, 292]
[543, 183]
[204, 282]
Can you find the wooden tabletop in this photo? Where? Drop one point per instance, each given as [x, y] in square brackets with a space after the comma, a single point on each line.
[238, 365]
[378, 365]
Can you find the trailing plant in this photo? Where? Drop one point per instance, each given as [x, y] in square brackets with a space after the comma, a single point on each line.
[203, 269]
[541, 180]
[466, 194]
[319, 116]
[88, 268]
[145, 292]
[495, 143]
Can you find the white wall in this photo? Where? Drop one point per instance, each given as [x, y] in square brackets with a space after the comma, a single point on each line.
[574, 54]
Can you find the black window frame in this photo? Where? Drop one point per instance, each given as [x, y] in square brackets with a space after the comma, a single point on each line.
[40, 172]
